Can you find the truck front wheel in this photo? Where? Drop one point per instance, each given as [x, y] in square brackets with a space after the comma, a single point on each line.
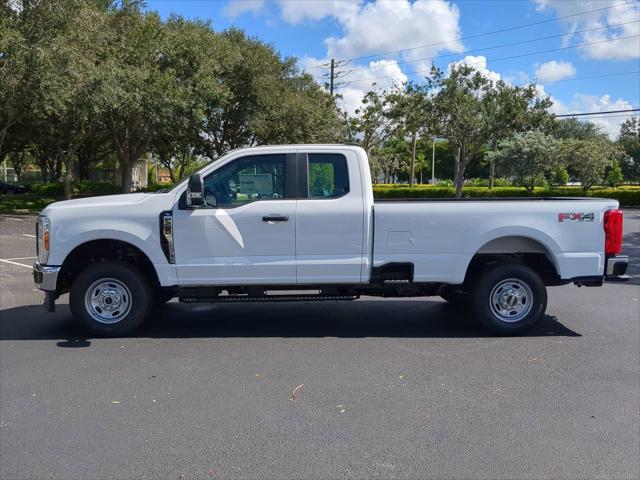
[509, 298]
[111, 299]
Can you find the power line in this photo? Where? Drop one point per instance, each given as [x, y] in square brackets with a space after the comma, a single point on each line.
[489, 33]
[508, 58]
[590, 77]
[503, 45]
[599, 113]
[603, 117]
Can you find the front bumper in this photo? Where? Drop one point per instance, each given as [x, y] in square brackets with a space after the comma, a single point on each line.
[45, 277]
[616, 266]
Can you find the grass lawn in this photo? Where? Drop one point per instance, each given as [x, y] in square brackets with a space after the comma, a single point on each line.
[27, 203]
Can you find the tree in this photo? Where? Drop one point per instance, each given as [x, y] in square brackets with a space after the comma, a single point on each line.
[187, 52]
[614, 175]
[474, 110]
[263, 99]
[24, 49]
[568, 128]
[514, 109]
[412, 109]
[372, 125]
[138, 94]
[462, 105]
[629, 141]
[589, 159]
[528, 157]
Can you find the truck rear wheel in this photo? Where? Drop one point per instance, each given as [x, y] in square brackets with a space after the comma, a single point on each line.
[509, 299]
[111, 299]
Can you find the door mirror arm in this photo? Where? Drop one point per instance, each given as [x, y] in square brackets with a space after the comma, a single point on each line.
[195, 191]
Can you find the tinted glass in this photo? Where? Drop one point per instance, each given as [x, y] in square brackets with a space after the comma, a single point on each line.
[245, 180]
[328, 175]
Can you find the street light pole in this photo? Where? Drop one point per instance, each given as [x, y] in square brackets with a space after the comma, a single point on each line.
[433, 163]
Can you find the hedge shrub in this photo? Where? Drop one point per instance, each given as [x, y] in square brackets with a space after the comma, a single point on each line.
[81, 188]
[627, 196]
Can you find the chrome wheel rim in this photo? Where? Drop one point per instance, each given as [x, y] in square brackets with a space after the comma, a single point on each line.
[108, 300]
[511, 300]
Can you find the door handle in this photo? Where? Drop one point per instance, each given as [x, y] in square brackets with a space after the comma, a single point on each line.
[275, 218]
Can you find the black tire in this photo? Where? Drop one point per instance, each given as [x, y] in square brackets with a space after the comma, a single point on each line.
[124, 284]
[509, 299]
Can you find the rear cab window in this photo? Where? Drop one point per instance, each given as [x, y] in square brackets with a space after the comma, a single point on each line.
[328, 175]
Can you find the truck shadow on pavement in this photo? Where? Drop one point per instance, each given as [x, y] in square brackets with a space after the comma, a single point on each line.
[631, 247]
[360, 319]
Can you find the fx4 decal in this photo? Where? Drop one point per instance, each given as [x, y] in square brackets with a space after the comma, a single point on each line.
[576, 217]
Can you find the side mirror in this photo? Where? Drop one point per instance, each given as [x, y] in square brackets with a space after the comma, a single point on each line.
[195, 191]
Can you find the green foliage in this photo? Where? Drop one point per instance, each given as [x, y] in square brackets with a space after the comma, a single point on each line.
[588, 160]
[629, 141]
[572, 128]
[473, 110]
[614, 176]
[321, 178]
[527, 157]
[27, 203]
[484, 182]
[83, 82]
[82, 188]
[558, 176]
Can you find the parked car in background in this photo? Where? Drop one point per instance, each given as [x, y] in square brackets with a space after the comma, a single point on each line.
[7, 188]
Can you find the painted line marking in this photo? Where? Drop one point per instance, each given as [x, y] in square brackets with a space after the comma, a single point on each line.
[18, 258]
[14, 219]
[15, 263]
[28, 235]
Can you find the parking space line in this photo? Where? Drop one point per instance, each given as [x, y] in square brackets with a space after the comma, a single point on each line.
[18, 258]
[15, 263]
[28, 235]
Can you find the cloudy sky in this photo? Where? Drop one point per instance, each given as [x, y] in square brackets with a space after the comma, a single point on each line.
[585, 54]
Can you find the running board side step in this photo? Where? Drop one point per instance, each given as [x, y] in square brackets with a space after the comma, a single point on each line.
[268, 298]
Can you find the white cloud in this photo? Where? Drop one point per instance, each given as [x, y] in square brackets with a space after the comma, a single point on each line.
[312, 10]
[584, 103]
[625, 49]
[383, 25]
[479, 63]
[236, 8]
[553, 71]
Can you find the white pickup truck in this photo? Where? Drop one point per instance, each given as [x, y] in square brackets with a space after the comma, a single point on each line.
[287, 223]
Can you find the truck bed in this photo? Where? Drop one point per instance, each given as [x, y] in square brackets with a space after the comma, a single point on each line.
[441, 238]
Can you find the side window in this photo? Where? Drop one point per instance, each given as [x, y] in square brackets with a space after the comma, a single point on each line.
[245, 180]
[328, 175]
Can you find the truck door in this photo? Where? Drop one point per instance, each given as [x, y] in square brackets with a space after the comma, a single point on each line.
[245, 234]
[329, 219]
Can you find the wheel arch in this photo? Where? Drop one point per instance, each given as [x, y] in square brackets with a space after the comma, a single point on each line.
[104, 250]
[529, 247]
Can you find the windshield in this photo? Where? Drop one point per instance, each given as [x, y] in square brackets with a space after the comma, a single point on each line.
[184, 180]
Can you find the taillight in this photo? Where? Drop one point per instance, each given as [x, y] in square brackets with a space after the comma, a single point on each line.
[612, 232]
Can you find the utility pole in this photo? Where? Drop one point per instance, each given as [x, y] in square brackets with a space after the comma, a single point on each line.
[333, 66]
[433, 162]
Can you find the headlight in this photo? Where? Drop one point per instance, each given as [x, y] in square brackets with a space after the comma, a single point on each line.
[43, 242]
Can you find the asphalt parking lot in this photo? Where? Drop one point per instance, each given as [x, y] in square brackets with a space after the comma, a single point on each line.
[391, 388]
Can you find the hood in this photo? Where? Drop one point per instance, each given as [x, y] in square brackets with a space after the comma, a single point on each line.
[102, 201]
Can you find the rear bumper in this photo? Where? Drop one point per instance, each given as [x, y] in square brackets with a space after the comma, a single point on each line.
[616, 266]
[45, 277]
